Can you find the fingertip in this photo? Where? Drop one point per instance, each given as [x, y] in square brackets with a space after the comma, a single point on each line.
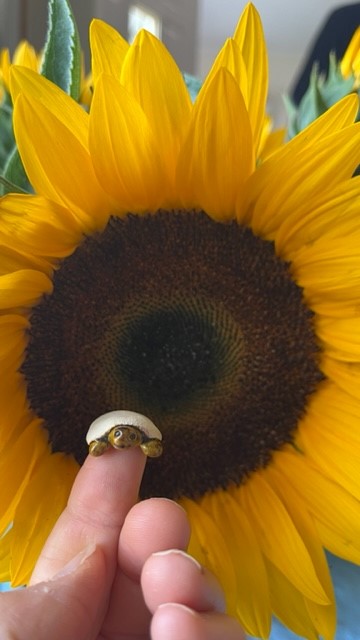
[194, 587]
[179, 622]
[155, 524]
[107, 486]
[171, 619]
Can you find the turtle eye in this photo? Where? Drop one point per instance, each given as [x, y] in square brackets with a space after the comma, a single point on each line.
[133, 436]
[118, 433]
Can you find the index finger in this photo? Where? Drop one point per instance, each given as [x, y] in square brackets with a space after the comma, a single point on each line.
[105, 489]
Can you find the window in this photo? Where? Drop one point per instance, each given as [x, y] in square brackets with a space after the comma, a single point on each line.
[139, 17]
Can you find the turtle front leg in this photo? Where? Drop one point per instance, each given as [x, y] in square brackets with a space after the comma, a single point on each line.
[152, 448]
[98, 447]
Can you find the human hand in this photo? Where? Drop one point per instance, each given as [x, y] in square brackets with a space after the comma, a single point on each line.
[115, 569]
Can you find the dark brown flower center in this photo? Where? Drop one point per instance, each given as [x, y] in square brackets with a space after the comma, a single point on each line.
[194, 323]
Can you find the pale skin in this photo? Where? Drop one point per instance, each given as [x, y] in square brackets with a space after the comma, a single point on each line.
[114, 568]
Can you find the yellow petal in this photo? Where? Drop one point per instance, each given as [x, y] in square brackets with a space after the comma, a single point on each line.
[329, 270]
[43, 500]
[334, 211]
[341, 337]
[280, 163]
[340, 115]
[38, 226]
[230, 58]
[124, 149]
[250, 37]
[276, 189]
[17, 465]
[336, 411]
[333, 457]
[64, 108]
[345, 374]
[26, 56]
[12, 259]
[304, 524]
[15, 414]
[270, 142]
[332, 507]
[108, 49]
[24, 288]
[337, 543]
[323, 617]
[151, 75]
[333, 305]
[5, 64]
[67, 176]
[5, 543]
[270, 516]
[289, 605]
[217, 155]
[332, 439]
[13, 340]
[346, 63]
[253, 599]
[214, 550]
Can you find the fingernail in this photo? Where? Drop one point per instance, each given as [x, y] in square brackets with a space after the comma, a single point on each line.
[177, 605]
[163, 499]
[181, 553]
[76, 561]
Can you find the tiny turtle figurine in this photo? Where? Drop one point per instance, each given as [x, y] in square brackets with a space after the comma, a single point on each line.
[121, 430]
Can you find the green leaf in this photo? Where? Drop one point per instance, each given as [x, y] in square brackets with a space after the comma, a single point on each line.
[320, 95]
[312, 104]
[291, 112]
[9, 187]
[336, 87]
[7, 140]
[193, 85]
[62, 53]
[14, 178]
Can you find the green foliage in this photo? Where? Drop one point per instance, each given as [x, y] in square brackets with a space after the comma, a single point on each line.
[12, 174]
[193, 85]
[7, 141]
[62, 53]
[14, 178]
[322, 93]
[61, 65]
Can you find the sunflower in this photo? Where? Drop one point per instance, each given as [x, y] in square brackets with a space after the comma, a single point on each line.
[159, 267]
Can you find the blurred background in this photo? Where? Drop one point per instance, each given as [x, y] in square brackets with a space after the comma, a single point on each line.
[193, 30]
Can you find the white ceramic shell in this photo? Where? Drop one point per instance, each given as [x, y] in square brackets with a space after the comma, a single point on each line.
[102, 425]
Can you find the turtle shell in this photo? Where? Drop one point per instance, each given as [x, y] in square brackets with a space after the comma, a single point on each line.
[102, 425]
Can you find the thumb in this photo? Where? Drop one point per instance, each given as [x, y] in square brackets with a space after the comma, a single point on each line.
[72, 605]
